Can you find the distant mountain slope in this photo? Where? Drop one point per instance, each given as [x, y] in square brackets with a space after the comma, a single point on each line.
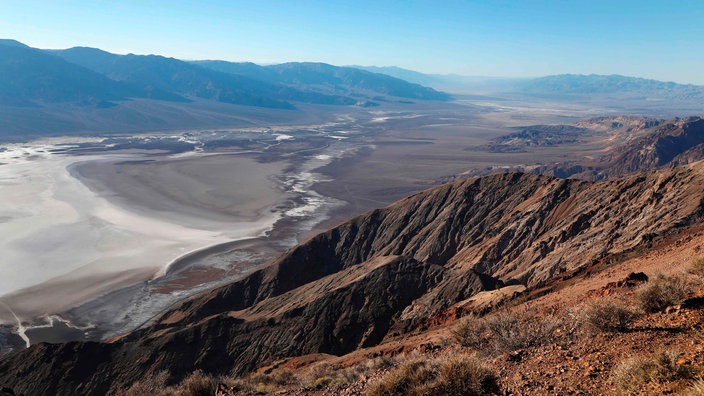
[12, 43]
[674, 143]
[628, 144]
[29, 76]
[564, 87]
[578, 84]
[403, 74]
[152, 72]
[325, 78]
[380, 274]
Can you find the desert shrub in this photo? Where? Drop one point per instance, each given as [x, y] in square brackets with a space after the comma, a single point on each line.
[265, 382]
[277, 377]
[666, 367]
[196, 384]
[659, 367]
[511, 331]
[697, 267]
[408, 378]
[662, 292]
[325, 375]
[470, 332]
[631, 373]
[378, 363]
[322, 382]
[458, 375]
[464, 376]
[151, 385]
[606, 315]
[696, 388]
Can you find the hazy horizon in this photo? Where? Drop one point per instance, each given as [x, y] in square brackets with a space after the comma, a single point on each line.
[653, 40]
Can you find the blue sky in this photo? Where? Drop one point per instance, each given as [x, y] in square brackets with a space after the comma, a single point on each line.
[653, 39]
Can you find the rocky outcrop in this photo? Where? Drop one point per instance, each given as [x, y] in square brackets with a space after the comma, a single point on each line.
[382, 274]
[681, 140]
[665, 145]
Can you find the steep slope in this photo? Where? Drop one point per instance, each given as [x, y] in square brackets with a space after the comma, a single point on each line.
[152, 72]
[324, 78]
[382, 274]
[246, 83]
[618, 146]
[657, 145]
[403, 74]
[30, 77]
[594, 84]
[672, 144]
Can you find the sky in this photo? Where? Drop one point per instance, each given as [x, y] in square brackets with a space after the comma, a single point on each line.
[663, 40]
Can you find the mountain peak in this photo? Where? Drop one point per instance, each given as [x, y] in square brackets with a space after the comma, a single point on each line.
[12, 43]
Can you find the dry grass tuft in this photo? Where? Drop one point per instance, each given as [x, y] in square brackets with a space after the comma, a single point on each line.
[512, 330]
[152, 385]
[663, 292]
[326, 375]
[697, 267]
[464, 375]
[196, 384]
[458, 375]
[606, 315]
[408, 378]
[696, 388]
[660, 367]
[470, 332]
[265, 383]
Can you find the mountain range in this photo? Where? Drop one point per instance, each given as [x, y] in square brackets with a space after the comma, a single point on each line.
[78, 73]
[48, 92]
[80, 90]
[560, 87]
[642, 144]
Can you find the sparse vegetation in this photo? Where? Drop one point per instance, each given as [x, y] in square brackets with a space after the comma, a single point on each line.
[507, 331]
[606, 315]
[326, 375]
[267, 382]
[695, 389]
[408, 378]
[196, 384]
[150, 385]
[470, 332]
[458, 375]
[660, 367]
[697, 267]
[464, 375]
[512, 330]
[663, 292]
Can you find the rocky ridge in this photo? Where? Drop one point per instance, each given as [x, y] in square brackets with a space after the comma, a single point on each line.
[627, 145]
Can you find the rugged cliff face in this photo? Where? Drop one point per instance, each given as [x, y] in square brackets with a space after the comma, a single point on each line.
[672, 144]
[382, 274]
[662, 145]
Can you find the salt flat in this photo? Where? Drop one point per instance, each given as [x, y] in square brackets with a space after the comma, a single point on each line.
[78, 237]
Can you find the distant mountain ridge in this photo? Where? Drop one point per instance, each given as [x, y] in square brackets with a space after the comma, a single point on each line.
[635, 144]
[564, 86]
[59, 92]
[322, 77]
[29, 73]
[609, 84]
